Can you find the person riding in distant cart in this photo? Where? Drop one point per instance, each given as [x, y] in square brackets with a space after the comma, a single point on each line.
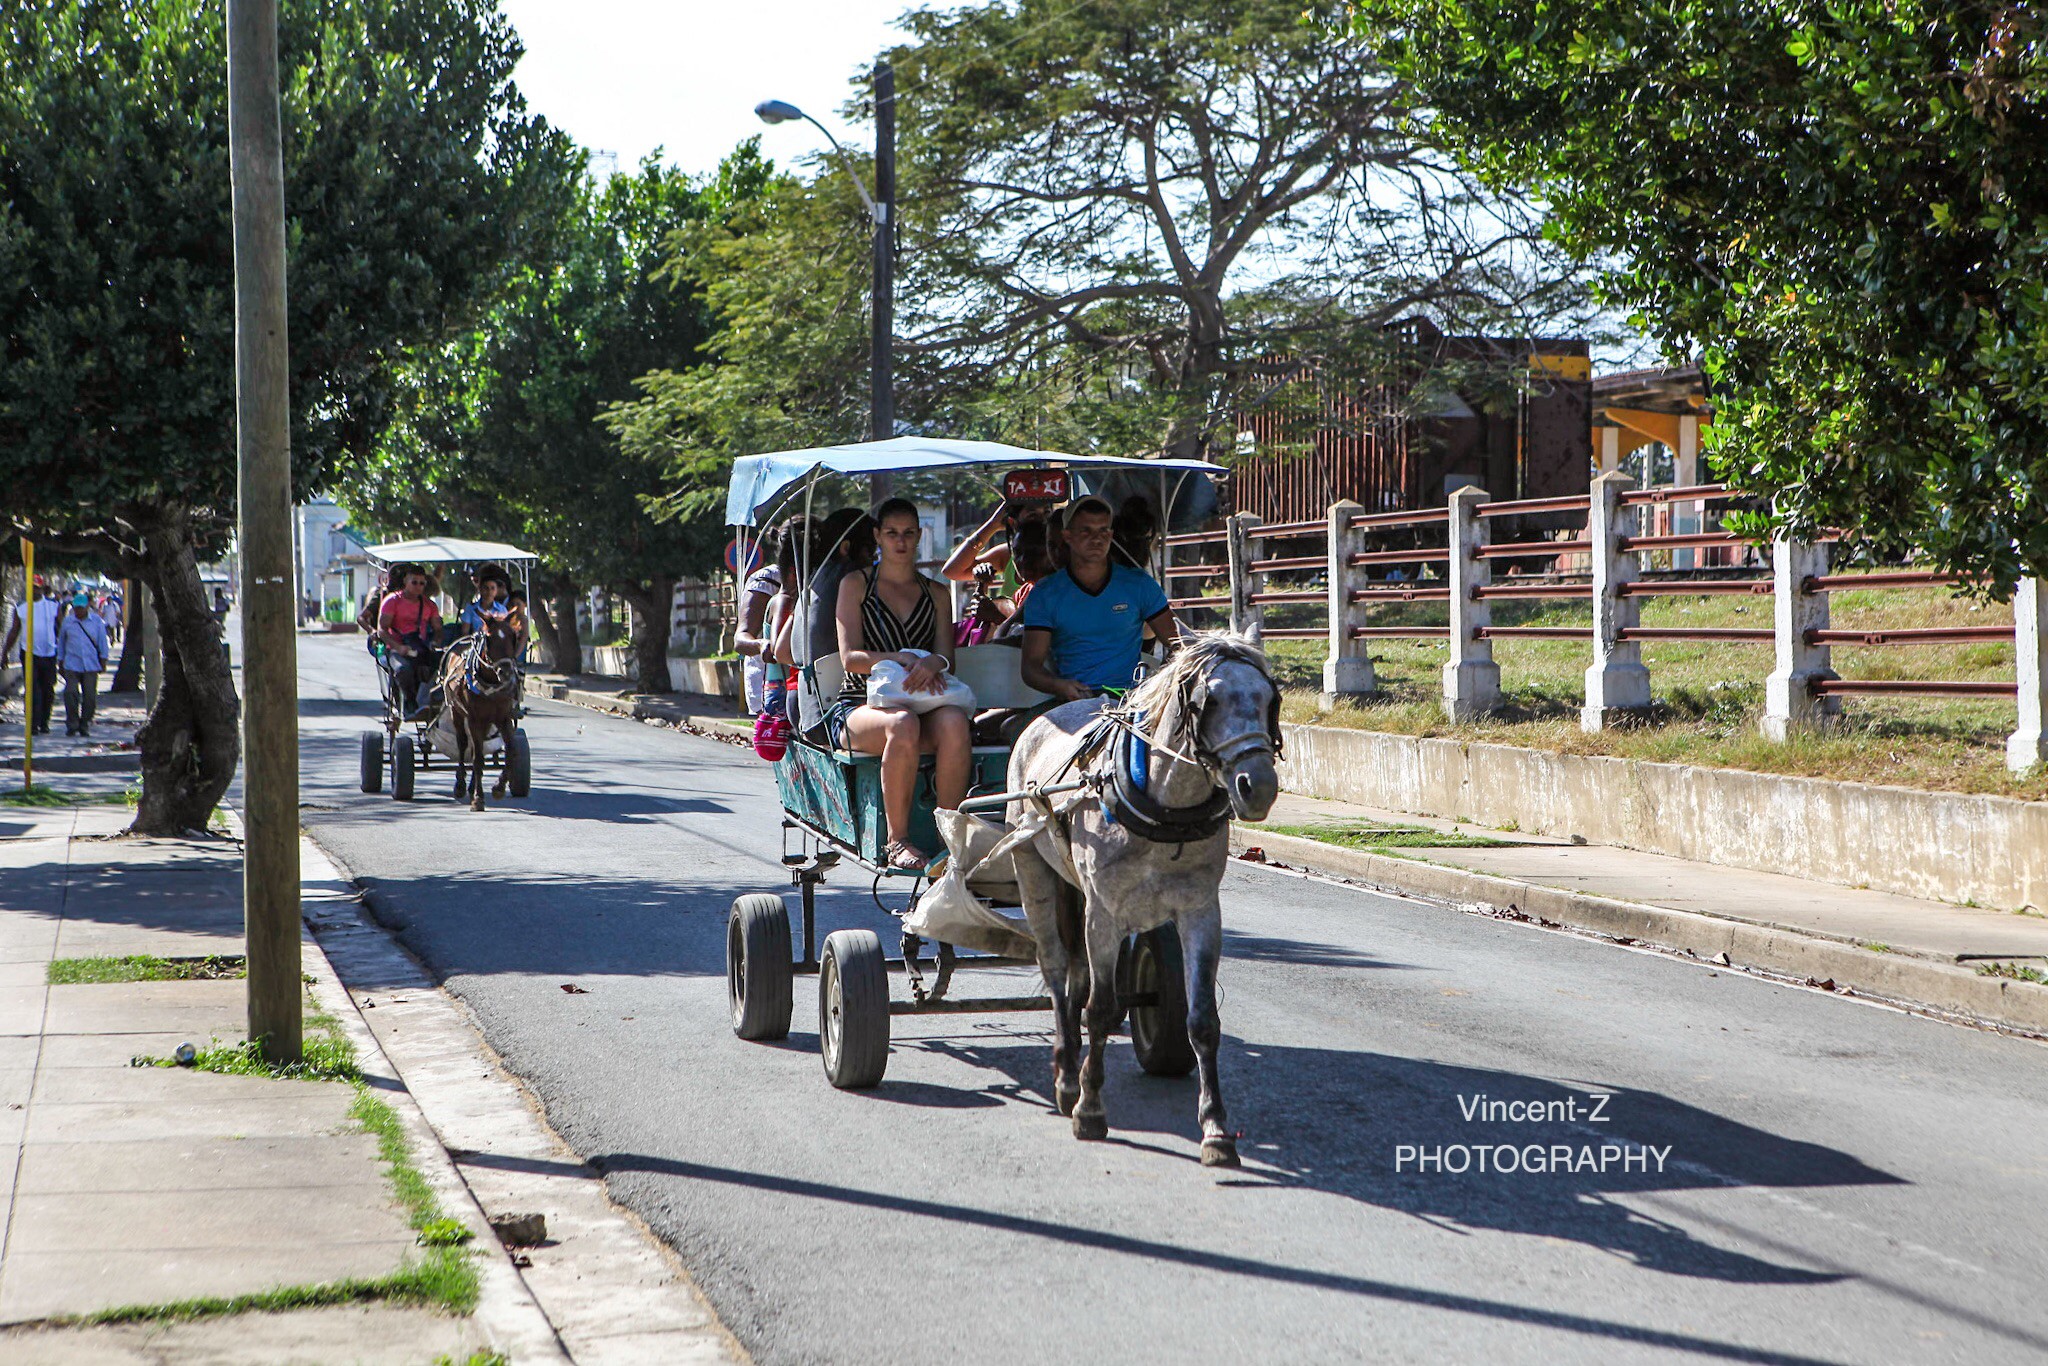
[408, 621]
[492, 601]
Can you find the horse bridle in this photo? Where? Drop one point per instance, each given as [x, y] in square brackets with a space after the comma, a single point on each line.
[504, 672]
[1217, 759]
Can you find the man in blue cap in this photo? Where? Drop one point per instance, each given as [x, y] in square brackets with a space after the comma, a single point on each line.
[81, 654]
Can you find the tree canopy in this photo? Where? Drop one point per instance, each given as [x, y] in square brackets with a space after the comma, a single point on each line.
[412, 174]
[1841, 207]
[1181, 192]
[497, 430]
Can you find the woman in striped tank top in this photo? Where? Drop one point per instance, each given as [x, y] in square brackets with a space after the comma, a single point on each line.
[884, 611]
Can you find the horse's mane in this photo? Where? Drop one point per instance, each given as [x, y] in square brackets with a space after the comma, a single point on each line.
[1198, 650]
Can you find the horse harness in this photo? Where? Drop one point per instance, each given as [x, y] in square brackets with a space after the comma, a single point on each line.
[504, 672]
[1119, 732]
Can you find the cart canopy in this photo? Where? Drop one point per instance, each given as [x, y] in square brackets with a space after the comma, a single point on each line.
[759, 481]
[446, 550]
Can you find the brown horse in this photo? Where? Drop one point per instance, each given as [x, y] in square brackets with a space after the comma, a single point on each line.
[480, 680]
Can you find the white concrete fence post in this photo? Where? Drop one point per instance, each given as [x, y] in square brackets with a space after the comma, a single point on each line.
[1790, 707]
[1471, 678]
[1246, 616]
[2029, 744]
[1617, 684]
[1347, 671]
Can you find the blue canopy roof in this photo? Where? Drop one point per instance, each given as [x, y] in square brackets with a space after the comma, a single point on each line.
[759, 480]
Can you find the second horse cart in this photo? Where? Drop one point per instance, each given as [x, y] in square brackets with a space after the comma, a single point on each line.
[408, 744]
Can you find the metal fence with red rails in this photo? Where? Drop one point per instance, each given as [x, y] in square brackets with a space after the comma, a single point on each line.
[1626, 533]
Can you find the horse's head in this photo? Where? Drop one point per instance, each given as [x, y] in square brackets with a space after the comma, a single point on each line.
[1221, 680]
[502, 636]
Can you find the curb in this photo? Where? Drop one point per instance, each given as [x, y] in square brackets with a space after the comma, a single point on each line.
[603, 1287]
[506, 1307]
[639, 707]
[1920, 984]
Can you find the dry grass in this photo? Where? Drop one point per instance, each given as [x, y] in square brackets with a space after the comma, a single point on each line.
[1708, 695]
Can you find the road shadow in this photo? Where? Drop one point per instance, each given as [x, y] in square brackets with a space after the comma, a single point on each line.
[1104, 1244]
[1356, 1124]
[1301, 952]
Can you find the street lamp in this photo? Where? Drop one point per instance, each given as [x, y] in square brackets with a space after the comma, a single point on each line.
[881, 401]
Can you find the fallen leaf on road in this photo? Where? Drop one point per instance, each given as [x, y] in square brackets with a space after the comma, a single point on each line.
[573, 989]
[1254, 854]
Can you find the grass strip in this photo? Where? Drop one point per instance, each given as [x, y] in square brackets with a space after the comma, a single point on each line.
[42, 795]
[143, 967]
[2014, 971]
[1374, 838]
[444, 1276]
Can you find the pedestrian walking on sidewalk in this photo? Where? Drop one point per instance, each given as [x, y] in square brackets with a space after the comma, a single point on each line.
[46, 614]
[81, 654]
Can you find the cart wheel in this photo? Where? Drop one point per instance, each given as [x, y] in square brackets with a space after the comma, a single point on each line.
[853, 1009]
[519, 782]
[373, 760]
[401, 769]
[757, 967]
[1159, 1032]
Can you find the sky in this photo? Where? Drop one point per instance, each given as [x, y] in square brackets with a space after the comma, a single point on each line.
[628, 76]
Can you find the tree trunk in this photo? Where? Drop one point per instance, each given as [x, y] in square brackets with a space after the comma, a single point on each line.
[650, 603]
[568, 641]
[128, 673]
[192, 740]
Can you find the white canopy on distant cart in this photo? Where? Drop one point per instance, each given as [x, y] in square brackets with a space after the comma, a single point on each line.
[446, 550]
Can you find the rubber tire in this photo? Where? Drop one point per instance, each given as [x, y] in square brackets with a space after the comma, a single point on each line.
[1159, 1033]
[519, 778]
[758, 971]
[853, 1009]
[373, 760]
[402, 768]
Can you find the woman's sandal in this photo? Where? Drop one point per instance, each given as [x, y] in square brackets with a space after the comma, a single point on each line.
[898, 854]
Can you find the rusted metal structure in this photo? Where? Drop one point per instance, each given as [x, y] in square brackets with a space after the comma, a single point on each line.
[1508, 414]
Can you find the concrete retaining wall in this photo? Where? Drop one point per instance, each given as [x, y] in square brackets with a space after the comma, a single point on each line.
[711, 677]
[1942, 845]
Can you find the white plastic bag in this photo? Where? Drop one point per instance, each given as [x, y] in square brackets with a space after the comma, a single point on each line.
[886, 689]
[949, 912]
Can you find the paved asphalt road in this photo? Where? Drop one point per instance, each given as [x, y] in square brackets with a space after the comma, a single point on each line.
[1839, 1183]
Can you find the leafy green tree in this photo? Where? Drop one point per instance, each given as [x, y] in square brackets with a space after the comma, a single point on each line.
[1157, 198]
[498, 431]
[1841, 206]
[413, 174]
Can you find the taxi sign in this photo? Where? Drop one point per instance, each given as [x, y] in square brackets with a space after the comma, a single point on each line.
[1035, 486]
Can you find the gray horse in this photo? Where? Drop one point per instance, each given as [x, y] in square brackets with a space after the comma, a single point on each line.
[1210, 721]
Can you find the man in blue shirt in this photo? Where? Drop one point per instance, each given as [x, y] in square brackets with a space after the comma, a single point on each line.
[1084, 625]
[81, 654]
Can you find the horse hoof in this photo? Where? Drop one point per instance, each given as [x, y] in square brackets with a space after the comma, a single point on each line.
[1220, 1152]
[1064, 1100]
[1091, 1127]
[476, 806]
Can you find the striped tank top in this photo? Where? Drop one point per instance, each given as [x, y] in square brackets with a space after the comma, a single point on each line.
[883, 632]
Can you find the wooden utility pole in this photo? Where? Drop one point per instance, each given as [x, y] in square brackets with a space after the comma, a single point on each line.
[270, 735]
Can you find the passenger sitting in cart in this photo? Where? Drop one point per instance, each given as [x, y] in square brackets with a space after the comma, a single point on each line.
[1084, 625]
[407, 621]
[492, 601]
[884, 612]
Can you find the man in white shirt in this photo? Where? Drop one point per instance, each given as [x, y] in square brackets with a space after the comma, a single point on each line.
[81, 654]
[46, 617]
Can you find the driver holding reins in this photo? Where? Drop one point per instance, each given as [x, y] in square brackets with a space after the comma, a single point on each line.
[1084, 625]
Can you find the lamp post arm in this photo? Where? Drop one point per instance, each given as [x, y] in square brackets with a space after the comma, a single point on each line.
[874, 211]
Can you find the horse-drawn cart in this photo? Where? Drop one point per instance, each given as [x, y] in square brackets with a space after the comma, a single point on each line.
[407, 744]
[832, 804]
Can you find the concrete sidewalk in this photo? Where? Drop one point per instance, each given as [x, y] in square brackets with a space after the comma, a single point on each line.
[1924, 954]
[130, 1186]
